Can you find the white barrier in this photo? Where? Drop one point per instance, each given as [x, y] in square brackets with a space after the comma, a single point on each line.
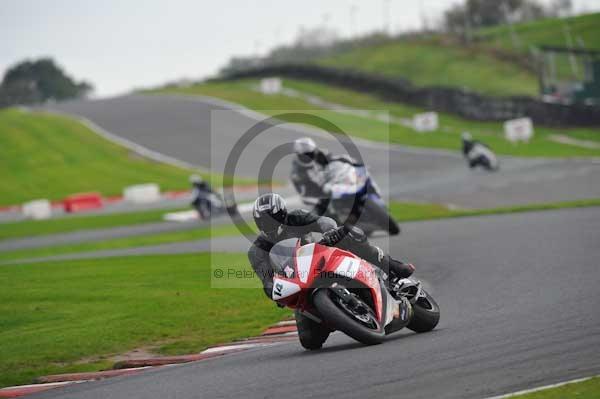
[270, 85]
[181, 216]
[37, 209]
[425, 122]
[520, 129]
[142, 193]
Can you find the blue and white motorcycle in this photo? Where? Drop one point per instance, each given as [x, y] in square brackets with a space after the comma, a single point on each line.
[353, 198]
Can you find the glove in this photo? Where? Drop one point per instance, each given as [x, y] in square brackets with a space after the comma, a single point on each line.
[333, 236]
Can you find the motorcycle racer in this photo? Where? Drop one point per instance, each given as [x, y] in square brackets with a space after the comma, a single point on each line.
[308, 172]
[478, 154]
[276, 223]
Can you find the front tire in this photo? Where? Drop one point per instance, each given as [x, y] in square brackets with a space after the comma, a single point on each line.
[426, 314]
[342, 321]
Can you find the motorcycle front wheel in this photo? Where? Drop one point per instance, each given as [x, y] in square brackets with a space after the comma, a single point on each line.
[426, 314]
[364, 328]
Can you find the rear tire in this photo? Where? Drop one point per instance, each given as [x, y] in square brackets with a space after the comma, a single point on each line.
[426, 314]
[312, 335]
[375, 214]
[340, 320]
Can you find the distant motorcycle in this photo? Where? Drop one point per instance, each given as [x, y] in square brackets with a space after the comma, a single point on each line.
[208, 205]
[334, 289]
[354, 198]
[204, 200]
[478, 154]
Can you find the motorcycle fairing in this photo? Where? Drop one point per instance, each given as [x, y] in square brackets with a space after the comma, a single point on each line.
[315, 261]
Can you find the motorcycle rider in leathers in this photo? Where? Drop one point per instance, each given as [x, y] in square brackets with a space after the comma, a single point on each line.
[308, 173]
[276, 224]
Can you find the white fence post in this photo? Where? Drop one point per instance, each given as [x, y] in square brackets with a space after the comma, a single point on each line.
[270, 85]
[520, 129]
[142, 193]
[426, 122]
[37, 209]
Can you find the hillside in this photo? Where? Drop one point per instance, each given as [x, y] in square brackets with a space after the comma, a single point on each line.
[488, 66]
[50, 156]
[548, 31]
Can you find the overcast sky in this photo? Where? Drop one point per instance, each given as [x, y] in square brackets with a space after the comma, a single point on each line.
[121, 44]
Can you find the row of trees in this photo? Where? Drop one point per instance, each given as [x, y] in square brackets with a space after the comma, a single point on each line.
[34, 82]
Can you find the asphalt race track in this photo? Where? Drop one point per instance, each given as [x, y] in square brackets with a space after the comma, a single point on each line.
[202, 133]
[518, 292]
[519, 301]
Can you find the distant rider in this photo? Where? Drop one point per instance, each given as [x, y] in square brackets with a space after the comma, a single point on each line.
[309, 172]
[308, 168]
[201, 196]
[478, 154]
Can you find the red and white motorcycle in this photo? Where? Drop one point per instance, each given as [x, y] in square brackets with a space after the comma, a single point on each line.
[332, 289]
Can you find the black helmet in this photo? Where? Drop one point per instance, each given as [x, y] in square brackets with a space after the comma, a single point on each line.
[269, 213]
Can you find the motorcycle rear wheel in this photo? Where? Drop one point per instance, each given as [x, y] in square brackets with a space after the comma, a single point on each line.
[340, 320]
[380, 217]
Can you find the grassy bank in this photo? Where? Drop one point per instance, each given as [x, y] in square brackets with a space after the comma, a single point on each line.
[434, 62]
[550, 31]
[69, 316]
[489, 65]
[50, 156]
[448, 137]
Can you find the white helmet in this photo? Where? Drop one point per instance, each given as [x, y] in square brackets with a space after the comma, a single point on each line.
[195, 179]
[304, 145]
[466, 136]
[305, 149]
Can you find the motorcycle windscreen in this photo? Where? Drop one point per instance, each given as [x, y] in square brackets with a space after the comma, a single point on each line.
[282, 257]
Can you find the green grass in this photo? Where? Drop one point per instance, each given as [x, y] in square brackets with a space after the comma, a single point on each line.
[50, 156]
[552, 31]
[589, 389]
[30, 228]
[201, 233]
[405, 212]
[430, 62]
[439, 60]
[242, 92]
[71, 316]
[549, 31]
